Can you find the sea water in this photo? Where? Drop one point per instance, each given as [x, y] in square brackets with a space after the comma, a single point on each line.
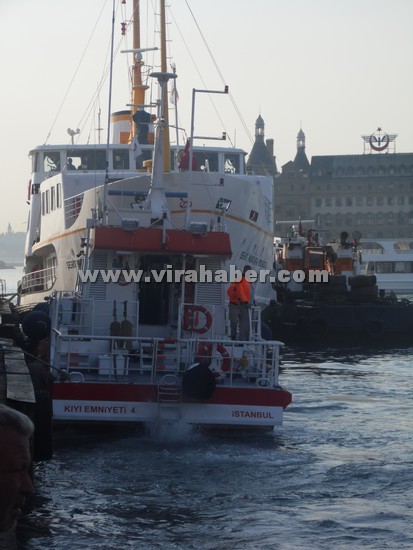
[338, 474]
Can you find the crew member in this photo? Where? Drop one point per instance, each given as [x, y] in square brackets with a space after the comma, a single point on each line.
[239, 294]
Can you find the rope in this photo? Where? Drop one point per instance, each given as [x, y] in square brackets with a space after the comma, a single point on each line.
[74, 75]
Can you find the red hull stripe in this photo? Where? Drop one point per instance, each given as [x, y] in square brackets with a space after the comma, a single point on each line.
[149, 393]
[150, 239]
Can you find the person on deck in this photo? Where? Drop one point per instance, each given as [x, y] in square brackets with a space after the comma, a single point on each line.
[70, 165]
[240, 294]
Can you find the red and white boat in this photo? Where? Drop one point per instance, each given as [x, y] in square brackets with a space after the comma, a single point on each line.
[128, 339]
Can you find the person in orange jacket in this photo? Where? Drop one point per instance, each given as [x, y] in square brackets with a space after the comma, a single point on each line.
[240, 294]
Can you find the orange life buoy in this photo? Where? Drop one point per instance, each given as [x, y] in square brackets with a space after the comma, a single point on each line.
[226, 360]
[190, 323]
[205, 350]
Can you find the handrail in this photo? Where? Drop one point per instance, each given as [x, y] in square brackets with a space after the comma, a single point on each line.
[39, 280]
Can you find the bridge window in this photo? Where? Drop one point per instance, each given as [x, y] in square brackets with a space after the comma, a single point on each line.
[87, 159]
[232, 164]
[121, 159]
[51, 161]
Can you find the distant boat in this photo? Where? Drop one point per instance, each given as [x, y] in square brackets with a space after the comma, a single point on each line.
[391, 261]
[327, 299]
[4, 265]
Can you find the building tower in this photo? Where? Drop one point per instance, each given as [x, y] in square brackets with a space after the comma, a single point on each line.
[262, 160]
[301, 160]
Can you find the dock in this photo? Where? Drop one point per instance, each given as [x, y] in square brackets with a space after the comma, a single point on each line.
[8, 317]
[25, 387]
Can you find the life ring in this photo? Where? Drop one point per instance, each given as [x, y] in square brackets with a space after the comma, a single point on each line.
[226, 359]
[205, 351]
[189, 319]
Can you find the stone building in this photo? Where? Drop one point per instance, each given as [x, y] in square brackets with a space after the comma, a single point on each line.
[371, 193]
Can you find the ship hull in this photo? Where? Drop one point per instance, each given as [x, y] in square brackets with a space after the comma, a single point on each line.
[142, 403]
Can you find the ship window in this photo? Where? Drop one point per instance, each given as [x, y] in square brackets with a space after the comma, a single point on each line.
[206, 161]
[51, 161]
[58, 195]
[402, 267]
[88, 159]
[384, 267]
[47, 201]
[232, 164]
[53, 198]
[121, 159]
[43, 204]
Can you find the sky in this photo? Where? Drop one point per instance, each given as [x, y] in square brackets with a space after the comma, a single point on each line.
[338, 69]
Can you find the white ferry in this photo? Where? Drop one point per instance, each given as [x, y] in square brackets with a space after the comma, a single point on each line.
[391, 261]
[139, 347]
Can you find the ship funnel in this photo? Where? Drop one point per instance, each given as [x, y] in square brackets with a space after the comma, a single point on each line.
[120, 125]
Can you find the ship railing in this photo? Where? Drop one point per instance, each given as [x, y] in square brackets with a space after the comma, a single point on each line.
[89, 358]
[75, 315]
[72, 207]
[40, 280]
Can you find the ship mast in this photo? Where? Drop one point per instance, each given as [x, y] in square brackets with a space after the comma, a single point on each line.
[138, 89]
[166, 141]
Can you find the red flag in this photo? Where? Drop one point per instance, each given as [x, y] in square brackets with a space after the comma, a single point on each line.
[184, 164]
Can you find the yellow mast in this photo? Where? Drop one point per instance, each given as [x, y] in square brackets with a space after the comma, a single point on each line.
[166, 142]
[138, 89]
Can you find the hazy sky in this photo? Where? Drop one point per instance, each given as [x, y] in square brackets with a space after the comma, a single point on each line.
[338, 68]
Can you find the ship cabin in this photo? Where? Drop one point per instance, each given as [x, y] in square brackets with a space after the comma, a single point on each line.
[49, 160]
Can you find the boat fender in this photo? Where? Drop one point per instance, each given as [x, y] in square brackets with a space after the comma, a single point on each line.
[198, 382]
[189, 319]
[266, 332]
[317, 327]
[374, 328]
[36, 325]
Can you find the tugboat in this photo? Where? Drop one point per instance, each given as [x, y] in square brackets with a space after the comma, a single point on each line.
[322, 297]
[125, 280]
